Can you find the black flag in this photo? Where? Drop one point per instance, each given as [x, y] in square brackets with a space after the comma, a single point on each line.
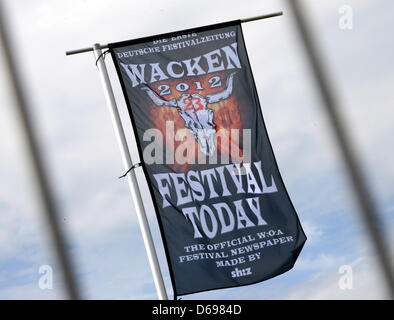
[225, 216]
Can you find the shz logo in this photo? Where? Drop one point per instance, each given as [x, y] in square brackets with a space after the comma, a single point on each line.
[241, 273]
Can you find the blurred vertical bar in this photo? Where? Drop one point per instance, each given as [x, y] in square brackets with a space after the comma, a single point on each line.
[41, 180]
[368, 211]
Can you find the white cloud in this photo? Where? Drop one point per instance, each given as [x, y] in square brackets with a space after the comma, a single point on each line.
[29, 292]
[321, 262]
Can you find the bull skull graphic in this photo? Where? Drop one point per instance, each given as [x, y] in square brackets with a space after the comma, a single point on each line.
[194, 111]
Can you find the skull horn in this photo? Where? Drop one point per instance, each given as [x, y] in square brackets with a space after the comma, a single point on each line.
[222, 95]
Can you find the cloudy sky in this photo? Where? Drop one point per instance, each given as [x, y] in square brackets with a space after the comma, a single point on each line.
[68, 107]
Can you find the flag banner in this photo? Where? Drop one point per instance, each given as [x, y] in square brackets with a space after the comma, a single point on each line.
[225, 216]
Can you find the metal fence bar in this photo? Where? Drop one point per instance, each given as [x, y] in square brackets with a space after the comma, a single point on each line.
[368, 212]
[40, 177]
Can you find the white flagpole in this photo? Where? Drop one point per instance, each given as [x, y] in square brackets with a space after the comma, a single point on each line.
[131, 178]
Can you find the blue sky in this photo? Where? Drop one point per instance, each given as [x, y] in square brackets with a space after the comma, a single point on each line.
[83, 159]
